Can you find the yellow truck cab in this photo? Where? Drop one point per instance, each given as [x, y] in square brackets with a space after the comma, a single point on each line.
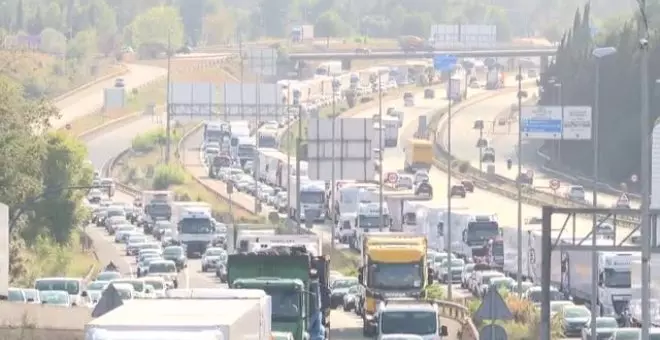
[393, 266]
[419, 155]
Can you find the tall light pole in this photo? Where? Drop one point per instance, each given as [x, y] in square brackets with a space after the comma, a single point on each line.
[520, 95]
[599, 54]
[645, 182]
[449, 161]
[168, 114]
[560, 95]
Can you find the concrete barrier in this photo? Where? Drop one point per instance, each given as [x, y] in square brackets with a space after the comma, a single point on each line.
[122, 71]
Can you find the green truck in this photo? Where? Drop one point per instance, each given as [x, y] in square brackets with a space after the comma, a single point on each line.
[292, 271]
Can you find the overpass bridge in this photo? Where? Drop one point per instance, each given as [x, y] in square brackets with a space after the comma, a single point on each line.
[347, 57]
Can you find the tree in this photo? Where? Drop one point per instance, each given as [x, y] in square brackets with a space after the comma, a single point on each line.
[63, 166]
[192, 15]
[83, 45]
[329, 24]
[218, 27]
[619, 87]
[53, 42]
[156, 28]
[53, 18]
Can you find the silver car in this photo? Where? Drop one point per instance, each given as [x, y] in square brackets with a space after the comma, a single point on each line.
[212, 258]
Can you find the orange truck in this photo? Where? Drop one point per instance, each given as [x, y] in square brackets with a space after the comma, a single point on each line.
[413, 43]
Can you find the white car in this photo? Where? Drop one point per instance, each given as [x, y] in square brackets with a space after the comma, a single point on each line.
[159, 285]
[123, 231]
[465, 275]
[576, 193]
[165, 269]
[213, 257]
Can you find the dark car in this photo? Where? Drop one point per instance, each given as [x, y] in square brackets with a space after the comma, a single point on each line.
[176, 254]
[468, 185]
[339, 288]
[362, 50]
[458, 190]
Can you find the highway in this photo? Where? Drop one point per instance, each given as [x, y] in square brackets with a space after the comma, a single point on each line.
[472, 53]
[505, 140]
[105, 146]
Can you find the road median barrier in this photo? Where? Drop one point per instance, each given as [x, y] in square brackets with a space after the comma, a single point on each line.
[564, 176]
[497, 184]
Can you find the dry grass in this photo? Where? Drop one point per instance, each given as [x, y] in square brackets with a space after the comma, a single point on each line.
[154, 93]
[346, 44]
[49, 70]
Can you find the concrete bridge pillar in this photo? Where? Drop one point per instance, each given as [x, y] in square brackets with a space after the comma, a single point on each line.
[346, 64]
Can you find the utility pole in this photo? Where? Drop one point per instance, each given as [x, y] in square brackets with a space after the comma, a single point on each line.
[449, 226]
[168, 114]
[333, 182]
[381, 131]
[519, 185]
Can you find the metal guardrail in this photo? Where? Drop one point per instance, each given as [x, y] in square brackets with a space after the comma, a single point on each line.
[585, 181]
[461, 314]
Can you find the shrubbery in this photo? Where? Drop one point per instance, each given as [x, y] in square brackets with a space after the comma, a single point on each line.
[526, 322]
[167, 175]
[146, 142]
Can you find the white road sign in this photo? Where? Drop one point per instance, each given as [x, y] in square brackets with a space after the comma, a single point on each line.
[577, 123]
[353, 150]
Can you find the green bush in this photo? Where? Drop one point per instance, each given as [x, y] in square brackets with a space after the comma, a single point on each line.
[167, 175]
[148, 141]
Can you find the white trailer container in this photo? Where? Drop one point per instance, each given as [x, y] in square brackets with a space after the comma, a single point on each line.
[229, 318]
[391, 131]
[277, 169]
[302, 33]
[494, 79]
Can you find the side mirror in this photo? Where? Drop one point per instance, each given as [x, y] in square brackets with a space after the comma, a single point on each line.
[360, 275]
[84, 294]
[443, 331]
[430, 275]
[464, 236]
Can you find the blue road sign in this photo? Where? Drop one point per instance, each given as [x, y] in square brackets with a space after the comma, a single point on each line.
[444, 62]
[544, 126]
[492, 332]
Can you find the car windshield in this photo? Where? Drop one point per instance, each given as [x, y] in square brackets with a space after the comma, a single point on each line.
[627, 334]
[575, 312]
[16, 295]
[108, 276]
[215, 252]
[70, 286]
[162, 267]
[606, 323]
[173, 251]
[149, 258]
[138, 285]
[469, 268]
[556, 307]
[135, 239]
[440, 258]
[96, 285]
[409, 322]
[31, 294]
[344, 283]
[54, 297]
[157, 284]
[126, 294]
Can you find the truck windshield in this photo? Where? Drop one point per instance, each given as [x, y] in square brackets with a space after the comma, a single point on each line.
[409, 322]
[286, 304]
[246, 151]
[195, 226]
[312, 197]
[479, 232]
[616, 279]
[212, 134]
[395, 275]
[267, 141]
[371, 221]
[159, 210]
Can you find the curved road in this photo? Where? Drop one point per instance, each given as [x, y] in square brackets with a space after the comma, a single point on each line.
[505, 139]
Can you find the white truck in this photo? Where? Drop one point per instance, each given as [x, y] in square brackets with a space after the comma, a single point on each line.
[329, 68]
[302, 33]
[195, 226]
[312, 198]
[276, 169]
[370, 219]
[571, 270]
[471, 232]
[388, 129]
[157, 205]
[234, 316]
[494, 79]
[347, 196]
[421, 318]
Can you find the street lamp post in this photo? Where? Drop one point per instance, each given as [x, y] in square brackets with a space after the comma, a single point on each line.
[520, 95]
[599, 54]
